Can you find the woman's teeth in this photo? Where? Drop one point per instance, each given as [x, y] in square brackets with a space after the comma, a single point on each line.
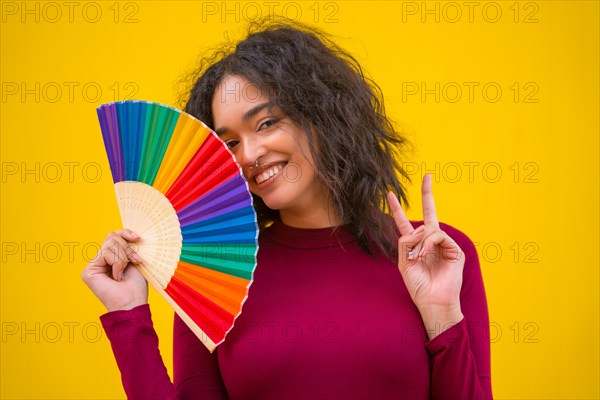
[269, 173]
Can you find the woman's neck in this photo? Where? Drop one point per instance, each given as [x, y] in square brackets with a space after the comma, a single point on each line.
[320, 217]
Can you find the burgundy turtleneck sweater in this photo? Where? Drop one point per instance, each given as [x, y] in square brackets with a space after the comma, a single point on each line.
[323, 320]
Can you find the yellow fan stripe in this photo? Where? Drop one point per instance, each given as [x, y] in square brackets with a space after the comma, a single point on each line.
[188, 136]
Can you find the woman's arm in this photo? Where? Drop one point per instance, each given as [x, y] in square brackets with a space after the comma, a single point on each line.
[460, 355]
[143, 373]
[128, 326]
[135, 346]
[450, 297]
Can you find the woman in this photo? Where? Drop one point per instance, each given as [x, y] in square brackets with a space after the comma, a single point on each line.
[328, 314]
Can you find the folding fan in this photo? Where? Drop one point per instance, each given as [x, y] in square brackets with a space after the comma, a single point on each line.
[179, 187]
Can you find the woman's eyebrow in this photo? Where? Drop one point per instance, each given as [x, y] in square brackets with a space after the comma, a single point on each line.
[255, 110]
[247, 115]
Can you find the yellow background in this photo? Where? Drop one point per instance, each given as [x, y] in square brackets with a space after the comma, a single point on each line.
[536, 225]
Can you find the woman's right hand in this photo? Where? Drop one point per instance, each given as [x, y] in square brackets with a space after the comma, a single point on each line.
[117, 283]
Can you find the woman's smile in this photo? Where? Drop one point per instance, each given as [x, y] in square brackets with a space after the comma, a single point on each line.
[269, 174]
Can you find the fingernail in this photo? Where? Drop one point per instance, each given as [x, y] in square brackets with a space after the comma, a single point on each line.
[135, 258]
[133, 235]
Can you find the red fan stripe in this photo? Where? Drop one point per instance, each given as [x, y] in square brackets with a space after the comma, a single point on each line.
[211, 165]
[224, 290]
[210, 318]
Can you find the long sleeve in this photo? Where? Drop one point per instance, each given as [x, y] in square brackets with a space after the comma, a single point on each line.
[143, 373]
[460, 356]
[135, 346]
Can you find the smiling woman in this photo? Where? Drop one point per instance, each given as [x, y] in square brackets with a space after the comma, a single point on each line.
[274, 152]
[347, 300]
[354, 150]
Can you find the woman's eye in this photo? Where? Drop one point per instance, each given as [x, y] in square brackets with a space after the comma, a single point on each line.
[231, 143]
[267, 123]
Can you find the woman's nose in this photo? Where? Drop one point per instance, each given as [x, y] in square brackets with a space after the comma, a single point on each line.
[250, 150]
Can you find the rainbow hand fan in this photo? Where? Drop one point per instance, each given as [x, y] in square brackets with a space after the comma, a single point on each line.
[179, 187]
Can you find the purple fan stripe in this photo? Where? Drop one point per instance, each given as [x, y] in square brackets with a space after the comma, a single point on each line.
[106, 138]
[217, 212]
[215, 194]
[227, 197]
[115, 140]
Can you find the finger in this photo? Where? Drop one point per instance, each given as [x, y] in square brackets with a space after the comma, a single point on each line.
[448, 248]
[92, 270]
[429, 213]
[117, 258]
[132, 255]
[130, 250]
[410, 245]
[123, 237]
[403, 224]
[128, 235]
[131, 274]
[119, 255]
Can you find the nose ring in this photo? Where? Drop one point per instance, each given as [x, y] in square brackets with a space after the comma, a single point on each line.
[255, 165]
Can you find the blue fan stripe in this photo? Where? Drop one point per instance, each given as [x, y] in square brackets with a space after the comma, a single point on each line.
[247, 211]
[199, 234]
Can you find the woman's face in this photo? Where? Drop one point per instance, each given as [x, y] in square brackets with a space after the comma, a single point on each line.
[255, 129]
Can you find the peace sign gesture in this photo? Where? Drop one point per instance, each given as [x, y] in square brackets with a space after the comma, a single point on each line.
[431, 264]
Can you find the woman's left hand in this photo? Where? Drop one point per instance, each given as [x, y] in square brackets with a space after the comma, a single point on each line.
[431, 264]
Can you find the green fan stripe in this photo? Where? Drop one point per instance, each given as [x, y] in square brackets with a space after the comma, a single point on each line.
[232, 259]
[159, 126]
[147, 145]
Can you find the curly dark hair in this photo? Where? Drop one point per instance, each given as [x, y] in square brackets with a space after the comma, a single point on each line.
[323, 89]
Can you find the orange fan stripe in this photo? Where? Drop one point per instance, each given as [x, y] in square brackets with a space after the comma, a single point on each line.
[220, 277]
[224, 290]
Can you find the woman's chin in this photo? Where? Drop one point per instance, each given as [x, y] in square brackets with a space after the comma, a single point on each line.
[272, 205]
[274, 202]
